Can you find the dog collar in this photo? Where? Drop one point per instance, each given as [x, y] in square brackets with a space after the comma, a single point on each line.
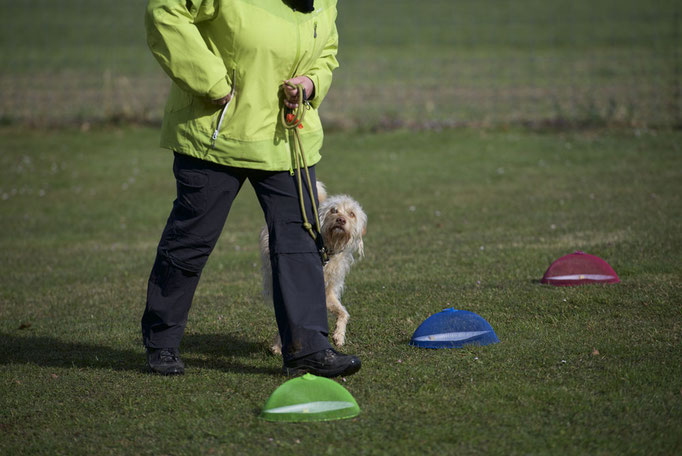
[331, 252]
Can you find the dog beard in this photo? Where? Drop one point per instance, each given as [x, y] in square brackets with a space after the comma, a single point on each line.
[336, 237]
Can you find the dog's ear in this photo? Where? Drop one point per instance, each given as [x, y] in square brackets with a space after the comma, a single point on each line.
[361, 248]
[364, 230]
[322, 210]
[321, 191]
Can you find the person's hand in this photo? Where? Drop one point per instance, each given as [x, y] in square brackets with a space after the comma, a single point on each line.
[291, 94]
[222, 101]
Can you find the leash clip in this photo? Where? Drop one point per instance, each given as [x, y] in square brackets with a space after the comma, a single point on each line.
[305, 99]
[324, 255]
[322, 249]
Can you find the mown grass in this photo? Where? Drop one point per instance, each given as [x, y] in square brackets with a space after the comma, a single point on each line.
[463, 218]
[402, 63]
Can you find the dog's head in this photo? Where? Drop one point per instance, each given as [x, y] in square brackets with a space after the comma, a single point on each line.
[343, 224]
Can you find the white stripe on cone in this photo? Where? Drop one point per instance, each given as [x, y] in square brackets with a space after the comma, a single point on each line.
[312, 407]
[582, 277]
[451, 336]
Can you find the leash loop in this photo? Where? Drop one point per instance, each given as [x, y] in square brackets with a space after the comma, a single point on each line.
[292, 121]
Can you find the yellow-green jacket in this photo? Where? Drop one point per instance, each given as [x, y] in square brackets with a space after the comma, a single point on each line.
[200, 44]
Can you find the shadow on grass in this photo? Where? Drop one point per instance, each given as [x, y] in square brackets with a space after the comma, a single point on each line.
[220, 351]
[51, 352]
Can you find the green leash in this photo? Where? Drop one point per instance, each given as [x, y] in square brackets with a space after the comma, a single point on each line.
[292, 122]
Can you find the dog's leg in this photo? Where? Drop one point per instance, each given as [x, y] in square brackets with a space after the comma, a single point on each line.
[266, 270]
[342, 317]
[276, 347]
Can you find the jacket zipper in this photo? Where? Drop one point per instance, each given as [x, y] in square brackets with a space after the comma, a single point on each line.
[224, 110]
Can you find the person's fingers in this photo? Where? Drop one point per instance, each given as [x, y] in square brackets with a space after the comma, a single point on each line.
[222, 101]
[290, 93]
[305, 81]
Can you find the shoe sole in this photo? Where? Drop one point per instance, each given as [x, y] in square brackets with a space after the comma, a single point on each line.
[301, 370]
[166, 373]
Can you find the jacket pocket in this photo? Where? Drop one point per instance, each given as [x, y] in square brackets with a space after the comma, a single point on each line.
[223, 112]
[178, 99]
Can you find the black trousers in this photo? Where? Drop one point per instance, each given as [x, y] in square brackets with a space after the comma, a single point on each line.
[205, 192]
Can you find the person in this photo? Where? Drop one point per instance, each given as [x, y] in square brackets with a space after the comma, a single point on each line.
[227, 60]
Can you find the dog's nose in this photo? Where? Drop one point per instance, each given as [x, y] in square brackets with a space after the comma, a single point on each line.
[341, 221]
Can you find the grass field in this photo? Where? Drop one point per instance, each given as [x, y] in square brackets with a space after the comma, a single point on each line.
[463, 218]
[431, 63]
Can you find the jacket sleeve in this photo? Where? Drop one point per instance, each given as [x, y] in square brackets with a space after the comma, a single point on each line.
[321, 72]
[178, 46]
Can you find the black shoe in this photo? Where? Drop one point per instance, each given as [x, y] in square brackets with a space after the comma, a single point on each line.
[325, 363]
[165, 361]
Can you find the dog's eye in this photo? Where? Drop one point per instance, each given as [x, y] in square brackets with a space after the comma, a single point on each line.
[333, 210]
[352, 214]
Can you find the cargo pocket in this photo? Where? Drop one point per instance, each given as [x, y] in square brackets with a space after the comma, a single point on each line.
[191, 183]
[291, 237]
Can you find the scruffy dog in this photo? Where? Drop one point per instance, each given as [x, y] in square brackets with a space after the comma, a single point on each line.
[343, 224]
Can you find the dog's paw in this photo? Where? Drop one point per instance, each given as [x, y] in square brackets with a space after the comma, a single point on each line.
[276, 347]
[339, 338]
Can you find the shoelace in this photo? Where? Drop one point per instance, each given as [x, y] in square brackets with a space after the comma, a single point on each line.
[167, 355]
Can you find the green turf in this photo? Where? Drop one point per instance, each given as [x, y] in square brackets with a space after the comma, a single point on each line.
[463, 218]
[436, 62]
